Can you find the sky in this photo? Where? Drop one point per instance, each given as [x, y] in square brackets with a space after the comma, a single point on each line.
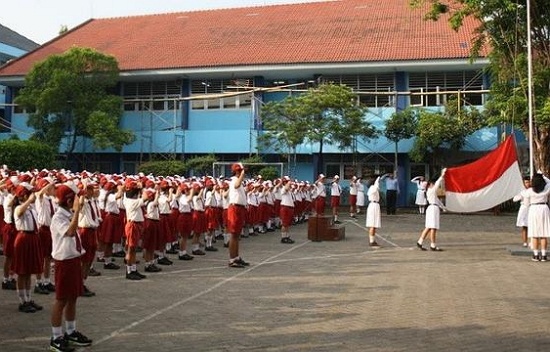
[41, 20]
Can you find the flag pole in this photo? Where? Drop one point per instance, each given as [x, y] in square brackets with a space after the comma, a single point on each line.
[530, 89]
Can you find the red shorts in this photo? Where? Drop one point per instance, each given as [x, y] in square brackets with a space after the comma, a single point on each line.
[27, 255]
[287, 213]
[89, 243]
[68, 279]
[352, 199]
[334, 201]
[236, 217]
[45, 236]
[133, 231]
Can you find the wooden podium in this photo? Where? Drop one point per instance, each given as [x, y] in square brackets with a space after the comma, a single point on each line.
[320, 228]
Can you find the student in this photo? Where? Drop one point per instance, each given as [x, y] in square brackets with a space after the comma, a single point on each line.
[523, 211]
[374, 218]
[134, 225]
[27, 258]
[335, 192]
[236, 215]
[392, 191]
[432, 215]
[66, 253]
[286, 210]
[538, 220]
[45, 209]
[420, 198]
[353, 190]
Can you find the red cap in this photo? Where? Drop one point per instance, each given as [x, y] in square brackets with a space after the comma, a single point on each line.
[21, 191]
[237, 167]
[64, 193]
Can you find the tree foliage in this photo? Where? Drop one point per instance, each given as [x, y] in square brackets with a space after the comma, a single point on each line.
[502, 29]
[439, 132]
[27, 155]
[163, 168]
[327, 114]
[70, 92]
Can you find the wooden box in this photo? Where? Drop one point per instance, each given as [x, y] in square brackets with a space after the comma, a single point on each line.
[317, 227]
[335, 233]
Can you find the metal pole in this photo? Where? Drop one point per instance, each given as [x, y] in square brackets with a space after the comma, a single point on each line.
[530, 88]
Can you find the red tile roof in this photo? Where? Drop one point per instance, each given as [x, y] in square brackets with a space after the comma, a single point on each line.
[322, 32]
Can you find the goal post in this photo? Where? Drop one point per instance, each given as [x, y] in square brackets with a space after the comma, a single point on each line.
[223, 168]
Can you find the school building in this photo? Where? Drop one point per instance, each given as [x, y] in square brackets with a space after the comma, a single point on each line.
[194, 82]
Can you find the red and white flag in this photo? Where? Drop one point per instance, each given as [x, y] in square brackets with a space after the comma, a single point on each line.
[486, 182]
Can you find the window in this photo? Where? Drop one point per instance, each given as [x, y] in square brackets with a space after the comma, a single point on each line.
[425, 87]
[159, 95]
[374, 90]
[216, 88]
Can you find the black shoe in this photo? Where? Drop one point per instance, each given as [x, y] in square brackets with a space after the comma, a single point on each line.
[436, 249]
[41, 290]
[543, 258]
[235, 264]
[219, 236]
[77, 339]
[535, 258]
[94, 272]
[185, 257]
[60, 345]
[120, 254]
[133, 276]
[164, 261]
[111, 266]
[172, 251]
[198, 252]
[337, 222]
[226, 245]
[35, 305]
[87, 293]
[287, 240]
[100, 260]
[241, 261]
[140, 275]
[374, 244]
[26, 308]
[210, 249]
[152, 268]
[420, 247]
[49, 286]
[9, 285]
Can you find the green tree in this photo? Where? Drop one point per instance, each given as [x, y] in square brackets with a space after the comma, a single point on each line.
[71, 92]
[200, 165]
[439, 132]
[27, 155]
[502, 30]
[327, 114]
[401, 125]
[163, 168]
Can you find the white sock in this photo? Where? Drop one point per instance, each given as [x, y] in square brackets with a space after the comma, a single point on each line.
[57, 331]
[70, 326]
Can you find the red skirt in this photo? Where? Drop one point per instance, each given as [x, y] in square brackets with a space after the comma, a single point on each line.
[211, 219]
[8, 238]
[68, 279]
[185, 224]
[89, 243]
[152, 236]
[320, 205]
[199, 222]
[165, 229]
[45, 236]
[335, 201]
[27, 255]
[111, 229]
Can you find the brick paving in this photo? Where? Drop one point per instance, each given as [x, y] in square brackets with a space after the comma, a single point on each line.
[321, 296]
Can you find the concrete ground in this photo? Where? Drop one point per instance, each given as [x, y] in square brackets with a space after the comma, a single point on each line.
[321, 296]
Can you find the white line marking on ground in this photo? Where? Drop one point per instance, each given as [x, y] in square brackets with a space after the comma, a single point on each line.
[377, 235]
[195, 296]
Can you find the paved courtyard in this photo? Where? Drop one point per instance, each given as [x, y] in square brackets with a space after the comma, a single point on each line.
[321, 296]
